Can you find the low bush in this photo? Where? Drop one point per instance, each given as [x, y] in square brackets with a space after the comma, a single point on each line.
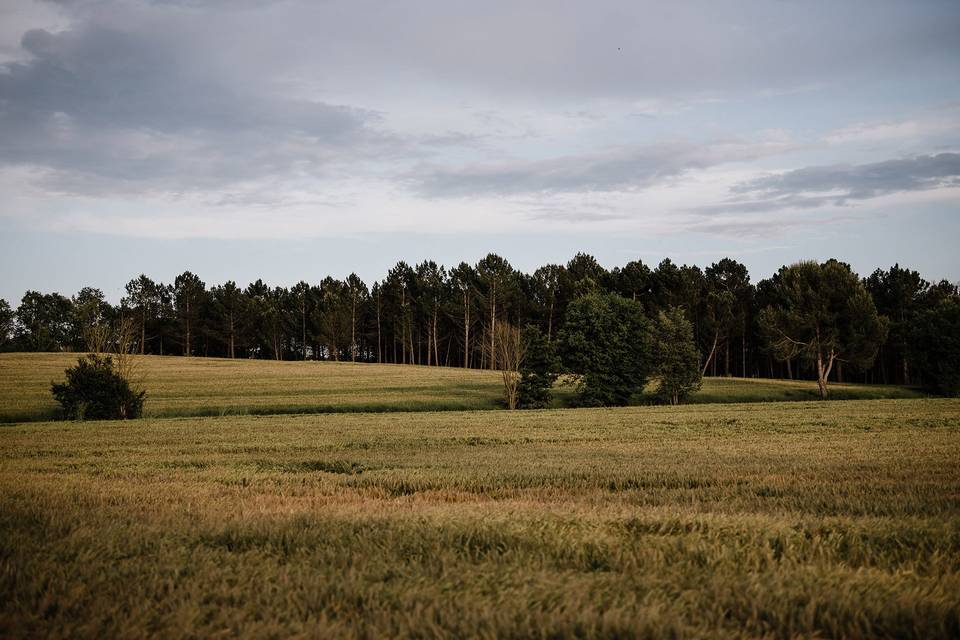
[539, 371]
[95, 390]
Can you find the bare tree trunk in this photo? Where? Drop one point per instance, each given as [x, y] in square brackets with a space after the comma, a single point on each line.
[436, 348]
[353, 329]
[483, 352]
[550, 319]
[379, 360]
[743, 350]
[493, 326]
[403, 326]
[413, 351]
[466, 330]
[713, 349]
[232, 330]
[823, 373]
[303, 326]
[509, 342]
[188, 330]
[143, 331]
[726, 357]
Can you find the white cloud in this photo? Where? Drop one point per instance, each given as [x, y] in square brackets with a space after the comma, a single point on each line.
[930, 127]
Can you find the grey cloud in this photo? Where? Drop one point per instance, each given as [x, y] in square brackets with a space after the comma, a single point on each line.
[591, 212]
[619, 169]
[863, 180]
[570, 49]
[103, 109]
[839, 185]
[180, 94]
[623, 48]
[766, 226]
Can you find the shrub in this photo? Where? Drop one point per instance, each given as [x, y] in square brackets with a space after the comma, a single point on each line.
[539, 371]
[677, 360]
[95, 390]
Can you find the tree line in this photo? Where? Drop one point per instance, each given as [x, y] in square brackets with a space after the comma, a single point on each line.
[894, 325]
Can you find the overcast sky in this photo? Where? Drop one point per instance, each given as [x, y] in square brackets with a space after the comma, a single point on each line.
[294, 139]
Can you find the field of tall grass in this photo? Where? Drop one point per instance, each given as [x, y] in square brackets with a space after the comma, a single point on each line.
[178, 386]
[800, 519]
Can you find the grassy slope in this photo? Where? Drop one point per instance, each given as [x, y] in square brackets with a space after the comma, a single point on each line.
[774, 520]
[209, 386]
[212, 386]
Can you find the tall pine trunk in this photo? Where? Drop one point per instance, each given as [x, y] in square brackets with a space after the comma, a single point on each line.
[353, 329]
[466, 330]
[493, 326]
[379, 359]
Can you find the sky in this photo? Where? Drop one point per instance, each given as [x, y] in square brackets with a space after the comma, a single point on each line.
[296, 139]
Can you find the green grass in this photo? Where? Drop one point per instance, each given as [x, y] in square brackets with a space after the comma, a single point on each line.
[762, 390]
[800, 519]
[179, 386]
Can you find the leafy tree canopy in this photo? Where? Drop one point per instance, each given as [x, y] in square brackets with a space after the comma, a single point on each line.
[677, 360]
[606, 342]
[823, 314]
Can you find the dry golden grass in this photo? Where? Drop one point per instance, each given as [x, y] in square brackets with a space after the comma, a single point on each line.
[179, 386]
[762, 520]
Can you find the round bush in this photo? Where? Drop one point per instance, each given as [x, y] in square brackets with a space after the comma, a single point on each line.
[95, 391]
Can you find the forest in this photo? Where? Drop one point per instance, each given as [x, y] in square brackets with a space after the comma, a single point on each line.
[427, 314]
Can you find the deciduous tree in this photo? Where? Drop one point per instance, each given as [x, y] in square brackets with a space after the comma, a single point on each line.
[605, 341]
[825, 315]
[676, 357]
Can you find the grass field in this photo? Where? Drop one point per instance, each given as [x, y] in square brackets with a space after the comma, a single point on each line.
[757, 520]
[210, 386]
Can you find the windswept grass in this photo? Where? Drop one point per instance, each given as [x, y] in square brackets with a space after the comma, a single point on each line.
[179, 386]
[760, 520]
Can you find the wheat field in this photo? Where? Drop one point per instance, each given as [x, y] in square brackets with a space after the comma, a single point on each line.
[782, 520]
[178, 386]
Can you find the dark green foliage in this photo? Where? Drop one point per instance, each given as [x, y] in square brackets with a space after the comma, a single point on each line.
[934, 347]
[43, 321]
[7, 316]
[94, 390]
[898, 294]
[606, 342]
[189, 302]
[429, 315]
[538, 372]
[677, 360]
[824, 315]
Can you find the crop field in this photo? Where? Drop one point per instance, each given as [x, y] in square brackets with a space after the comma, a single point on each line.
[780, 520]
[179, 386]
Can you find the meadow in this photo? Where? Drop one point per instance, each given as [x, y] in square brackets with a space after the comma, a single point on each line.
[779, 520]
[178, 386]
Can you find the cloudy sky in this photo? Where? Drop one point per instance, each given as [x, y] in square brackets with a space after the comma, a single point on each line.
[299, 138]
